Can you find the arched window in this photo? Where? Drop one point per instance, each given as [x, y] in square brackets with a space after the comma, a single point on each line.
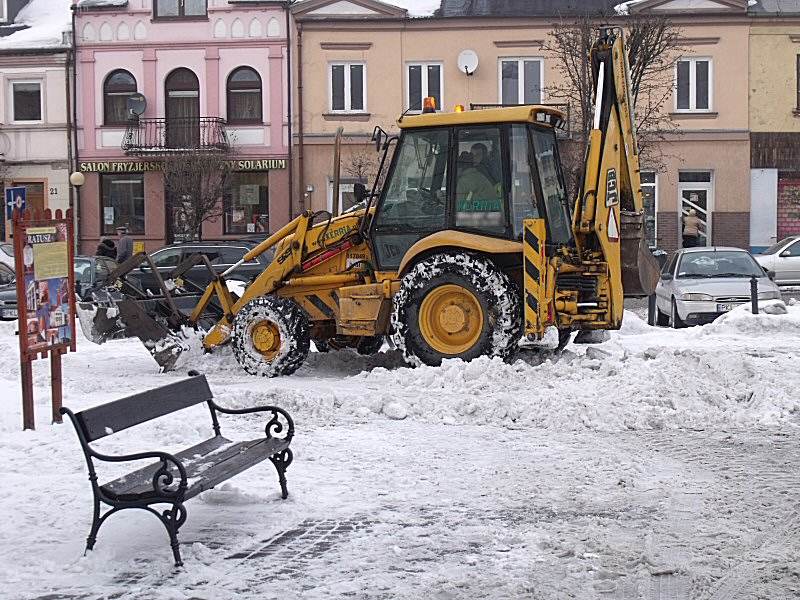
[182, 91]
[244, 96]
[118, 87]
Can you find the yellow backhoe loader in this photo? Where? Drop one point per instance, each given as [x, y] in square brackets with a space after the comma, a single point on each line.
[469, 245]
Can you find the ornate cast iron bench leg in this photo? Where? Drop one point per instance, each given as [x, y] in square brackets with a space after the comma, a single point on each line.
[282, 460]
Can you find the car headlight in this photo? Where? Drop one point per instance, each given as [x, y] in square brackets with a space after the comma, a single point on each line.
[697, 297]
[769, 295]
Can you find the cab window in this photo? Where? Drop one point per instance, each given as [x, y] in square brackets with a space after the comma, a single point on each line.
[479, 194]
[414, 203]
[523, 196]
[553, 191]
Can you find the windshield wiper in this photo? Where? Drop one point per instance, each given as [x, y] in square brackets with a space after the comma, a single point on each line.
[730, 275]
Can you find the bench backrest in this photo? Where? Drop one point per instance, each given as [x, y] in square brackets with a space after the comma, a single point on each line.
[100, 421]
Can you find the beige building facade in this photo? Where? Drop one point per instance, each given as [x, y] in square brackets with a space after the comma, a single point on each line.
[774, 93]
[361, 64]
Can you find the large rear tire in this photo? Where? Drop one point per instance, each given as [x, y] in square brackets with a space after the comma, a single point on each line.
[271, 336]
[456, 305]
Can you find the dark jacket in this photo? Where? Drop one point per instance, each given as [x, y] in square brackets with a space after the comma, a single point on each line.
[124, 248]
[106, 248]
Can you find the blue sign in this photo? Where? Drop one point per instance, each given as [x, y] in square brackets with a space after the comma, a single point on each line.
[15, 198]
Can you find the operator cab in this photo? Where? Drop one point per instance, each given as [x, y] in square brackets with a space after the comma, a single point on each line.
[480, 172]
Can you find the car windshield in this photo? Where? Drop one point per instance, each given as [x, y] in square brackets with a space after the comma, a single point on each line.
[6, 275]
[777, 246]
[718, 264]
[83, 270]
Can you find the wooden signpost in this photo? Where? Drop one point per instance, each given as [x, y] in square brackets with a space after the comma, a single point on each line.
[43, 251]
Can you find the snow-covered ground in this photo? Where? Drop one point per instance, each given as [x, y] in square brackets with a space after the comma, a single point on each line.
[660, 464]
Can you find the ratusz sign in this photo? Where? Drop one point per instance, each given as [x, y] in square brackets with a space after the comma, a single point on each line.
[43, 247]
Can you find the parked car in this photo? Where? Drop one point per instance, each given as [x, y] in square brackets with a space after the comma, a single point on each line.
[697, 285]
[221, 255]
[7, 255]
[784, 259]
[8, 293]
[89, 272]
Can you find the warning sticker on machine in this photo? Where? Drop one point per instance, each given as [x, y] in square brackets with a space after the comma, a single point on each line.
[611, 188]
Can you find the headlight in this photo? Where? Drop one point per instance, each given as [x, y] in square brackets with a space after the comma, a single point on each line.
[769, 295]
[697, 297]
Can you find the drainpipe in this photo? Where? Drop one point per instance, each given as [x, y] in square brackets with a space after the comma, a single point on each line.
[300, 132]
[287, 8]
[74, 145]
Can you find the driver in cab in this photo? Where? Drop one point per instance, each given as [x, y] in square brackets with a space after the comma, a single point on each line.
[477, 191]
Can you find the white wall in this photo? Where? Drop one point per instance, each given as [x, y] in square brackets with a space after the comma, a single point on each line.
[763, 207]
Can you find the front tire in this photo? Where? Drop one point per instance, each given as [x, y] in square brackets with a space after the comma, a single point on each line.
[271, 336]
[456, 305]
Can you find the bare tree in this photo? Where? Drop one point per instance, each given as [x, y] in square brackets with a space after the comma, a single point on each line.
[195, 182]
[362, 163]
[651, 42]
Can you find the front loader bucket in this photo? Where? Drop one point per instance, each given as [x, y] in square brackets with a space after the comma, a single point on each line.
[99, 323]
[640, 269]
[164, 345]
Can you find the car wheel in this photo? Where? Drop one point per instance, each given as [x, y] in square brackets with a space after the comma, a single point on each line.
[674, 318]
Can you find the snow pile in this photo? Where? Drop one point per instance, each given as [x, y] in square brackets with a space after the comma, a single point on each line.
[46, 22]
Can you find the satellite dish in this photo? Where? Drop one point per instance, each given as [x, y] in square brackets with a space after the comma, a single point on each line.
[137, 104]
[468, 62]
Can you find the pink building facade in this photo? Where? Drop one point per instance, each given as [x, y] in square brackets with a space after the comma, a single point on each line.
[213, 76]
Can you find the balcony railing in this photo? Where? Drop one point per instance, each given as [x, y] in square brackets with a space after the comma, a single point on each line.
[173, 136]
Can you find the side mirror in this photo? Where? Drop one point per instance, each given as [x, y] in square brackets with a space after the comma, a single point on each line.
[666, 277]
[771, 275]
[360, 192]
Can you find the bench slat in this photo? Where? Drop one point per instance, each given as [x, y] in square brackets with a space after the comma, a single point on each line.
[207, 465]
[104, 420]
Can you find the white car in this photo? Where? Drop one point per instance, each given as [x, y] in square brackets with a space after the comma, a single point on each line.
[784, 259]
[699, 284]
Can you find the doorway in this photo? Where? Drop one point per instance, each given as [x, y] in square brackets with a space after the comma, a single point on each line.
[696, 193]
[182, 93]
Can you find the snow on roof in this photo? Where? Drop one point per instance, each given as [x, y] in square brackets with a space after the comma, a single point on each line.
[45, 21]
[622, 9]
[417, 8]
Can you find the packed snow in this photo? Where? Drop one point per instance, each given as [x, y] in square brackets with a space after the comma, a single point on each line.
[46, 22]
[660, 459]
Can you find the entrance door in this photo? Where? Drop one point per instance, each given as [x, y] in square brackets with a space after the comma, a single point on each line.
[182, 92]
[695, 191]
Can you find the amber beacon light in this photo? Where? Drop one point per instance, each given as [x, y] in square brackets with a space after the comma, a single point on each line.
[429, 105]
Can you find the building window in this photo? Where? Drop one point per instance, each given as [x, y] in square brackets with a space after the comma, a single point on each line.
[177, 9]
[122, 202]
[348, 85]
[521, 80]
[247, 203]
[693, 84]
[27, 100]
[347, 196]
[118, 87]
[650, 200]
[244, 96]
[423, 80]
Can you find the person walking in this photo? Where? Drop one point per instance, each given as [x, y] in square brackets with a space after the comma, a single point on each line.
[691, 229]
[124, 244]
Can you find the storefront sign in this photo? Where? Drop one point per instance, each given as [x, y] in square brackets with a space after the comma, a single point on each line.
[261, 164]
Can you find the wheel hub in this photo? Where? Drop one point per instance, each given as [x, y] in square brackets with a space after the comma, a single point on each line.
[266, 338]
[451, 319]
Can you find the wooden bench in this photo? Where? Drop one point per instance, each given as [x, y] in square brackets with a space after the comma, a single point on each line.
[173, 479]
